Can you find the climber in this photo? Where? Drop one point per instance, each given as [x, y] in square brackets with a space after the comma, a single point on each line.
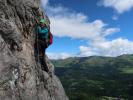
[43, 40]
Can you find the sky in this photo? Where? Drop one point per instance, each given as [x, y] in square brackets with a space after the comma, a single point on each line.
[90, 27]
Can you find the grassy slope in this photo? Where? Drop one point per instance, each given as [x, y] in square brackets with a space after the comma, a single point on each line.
[94, 77]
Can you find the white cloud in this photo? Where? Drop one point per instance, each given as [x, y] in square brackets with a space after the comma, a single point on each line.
[120, 6]
[110, 31]
[114, 48]
[86, 51]
[56, 56]
[67, 23]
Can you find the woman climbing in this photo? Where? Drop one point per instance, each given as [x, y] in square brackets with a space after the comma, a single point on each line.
[43, 40]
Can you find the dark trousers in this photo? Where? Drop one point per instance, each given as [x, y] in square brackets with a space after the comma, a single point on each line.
[40, 47]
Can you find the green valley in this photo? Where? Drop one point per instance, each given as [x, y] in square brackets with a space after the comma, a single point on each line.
[97, 78]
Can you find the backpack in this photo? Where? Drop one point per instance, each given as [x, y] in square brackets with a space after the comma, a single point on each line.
[50, 38]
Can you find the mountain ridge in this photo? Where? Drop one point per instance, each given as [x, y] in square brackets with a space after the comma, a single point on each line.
[97, 58]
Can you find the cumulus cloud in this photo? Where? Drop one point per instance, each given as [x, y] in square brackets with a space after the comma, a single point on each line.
[114, 48]
[67, 23]
[56, 56]
[120, 6]
[87, 51]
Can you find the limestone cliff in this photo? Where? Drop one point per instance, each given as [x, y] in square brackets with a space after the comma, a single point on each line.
[21, 77]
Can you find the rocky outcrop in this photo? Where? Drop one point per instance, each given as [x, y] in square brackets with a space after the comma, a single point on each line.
[21, 77]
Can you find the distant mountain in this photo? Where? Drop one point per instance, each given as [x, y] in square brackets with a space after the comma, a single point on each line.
[96, 77]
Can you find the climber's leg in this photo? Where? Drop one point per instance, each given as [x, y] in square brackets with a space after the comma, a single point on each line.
[44, 49]
[44, 66]
[42, 57]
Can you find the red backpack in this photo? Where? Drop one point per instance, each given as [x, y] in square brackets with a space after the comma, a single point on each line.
[50, 38]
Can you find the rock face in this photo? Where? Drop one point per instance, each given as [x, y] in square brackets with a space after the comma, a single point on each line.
[21, 77]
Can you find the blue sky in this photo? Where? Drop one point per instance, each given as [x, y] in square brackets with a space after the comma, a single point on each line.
[90, 27]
